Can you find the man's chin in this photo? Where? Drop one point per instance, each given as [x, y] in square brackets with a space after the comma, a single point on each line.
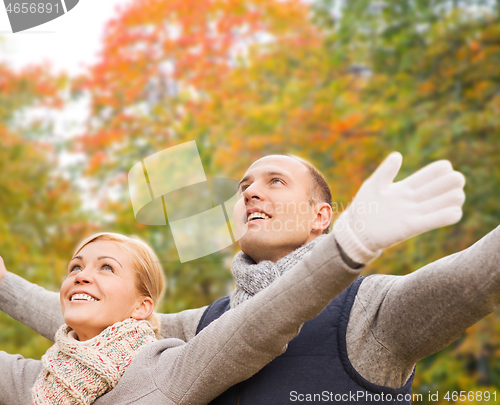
[255, 240]
[254, 232]
[250, 230]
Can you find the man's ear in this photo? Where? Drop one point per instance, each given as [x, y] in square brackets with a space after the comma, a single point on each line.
[143, 309]
[323, 217]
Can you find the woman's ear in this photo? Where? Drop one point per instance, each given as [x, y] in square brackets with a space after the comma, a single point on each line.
[144, 309]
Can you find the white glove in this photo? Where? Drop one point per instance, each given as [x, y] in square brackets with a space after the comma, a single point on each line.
[384, 213]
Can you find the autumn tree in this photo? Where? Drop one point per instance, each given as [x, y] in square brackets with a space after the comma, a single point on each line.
[40, 221]
[434, 75]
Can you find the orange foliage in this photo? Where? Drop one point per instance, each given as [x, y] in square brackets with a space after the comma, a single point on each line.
[164, 60]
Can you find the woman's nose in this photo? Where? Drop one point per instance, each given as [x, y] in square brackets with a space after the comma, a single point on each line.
[83, 277]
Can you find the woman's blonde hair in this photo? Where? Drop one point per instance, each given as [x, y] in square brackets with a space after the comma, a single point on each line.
[150, 281]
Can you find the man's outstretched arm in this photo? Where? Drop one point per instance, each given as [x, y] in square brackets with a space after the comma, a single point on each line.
[403, 319]
[384, 337]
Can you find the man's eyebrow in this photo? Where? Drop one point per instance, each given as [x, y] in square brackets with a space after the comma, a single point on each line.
[266, 174]
[242, 181]
[99, 258]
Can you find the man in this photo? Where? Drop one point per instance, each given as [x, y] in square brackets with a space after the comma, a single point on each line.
[363, 347]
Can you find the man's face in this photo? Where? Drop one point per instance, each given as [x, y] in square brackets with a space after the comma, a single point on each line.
[273, 211]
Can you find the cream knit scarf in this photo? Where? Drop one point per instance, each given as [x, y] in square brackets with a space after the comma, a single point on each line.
[250, 277]
[77, 372]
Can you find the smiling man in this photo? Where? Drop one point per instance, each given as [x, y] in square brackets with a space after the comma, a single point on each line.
[292, 210]
[364, 346]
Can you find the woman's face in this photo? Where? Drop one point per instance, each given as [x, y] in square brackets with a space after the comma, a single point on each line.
[100, 289]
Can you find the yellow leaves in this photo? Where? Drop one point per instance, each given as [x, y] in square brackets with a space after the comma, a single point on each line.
[480, 89]
[33, 85]
[257, 143]
[38, 202]
[426, 87]
[475, 45]
[101, 139]
[348, 125]
[96, 162]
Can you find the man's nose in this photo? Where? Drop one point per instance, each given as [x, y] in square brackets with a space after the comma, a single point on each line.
[253, 191]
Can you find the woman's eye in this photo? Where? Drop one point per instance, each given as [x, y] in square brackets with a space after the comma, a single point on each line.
[243, 188]
[74, 268]
[108, 267]
[274, 180]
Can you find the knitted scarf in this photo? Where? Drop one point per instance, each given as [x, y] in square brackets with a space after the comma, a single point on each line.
[250, 277]
[77, 372]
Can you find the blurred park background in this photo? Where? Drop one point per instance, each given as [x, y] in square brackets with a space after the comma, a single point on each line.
[339, 83]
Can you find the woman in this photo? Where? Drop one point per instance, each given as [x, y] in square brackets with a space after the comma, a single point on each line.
[112, 286]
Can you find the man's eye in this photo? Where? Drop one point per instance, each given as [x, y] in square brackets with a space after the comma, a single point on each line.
[243, 188]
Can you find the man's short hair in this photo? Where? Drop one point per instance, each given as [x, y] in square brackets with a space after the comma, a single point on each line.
[319, 190]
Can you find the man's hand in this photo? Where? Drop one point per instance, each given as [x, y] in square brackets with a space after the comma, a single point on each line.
[384, 213]
[3, 270]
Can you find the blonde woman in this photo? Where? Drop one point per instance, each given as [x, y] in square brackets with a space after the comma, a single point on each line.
[107, 351]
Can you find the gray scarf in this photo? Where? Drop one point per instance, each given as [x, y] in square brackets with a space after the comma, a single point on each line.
[250, 277]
